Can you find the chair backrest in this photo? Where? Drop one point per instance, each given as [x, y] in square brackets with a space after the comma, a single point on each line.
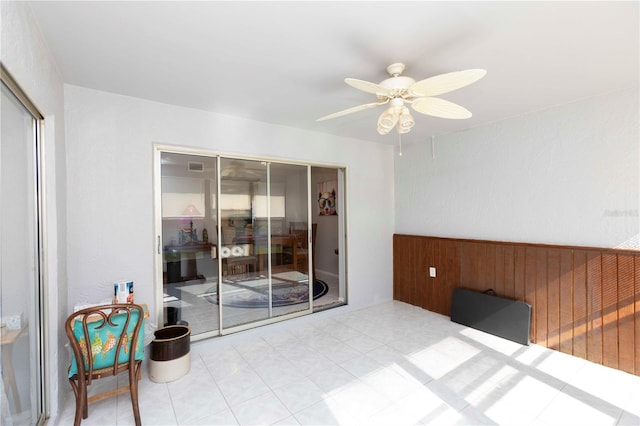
[105, 337]
[314, 233]
[300, 231]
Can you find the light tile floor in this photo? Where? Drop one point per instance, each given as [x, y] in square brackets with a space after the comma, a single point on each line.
[391, 364]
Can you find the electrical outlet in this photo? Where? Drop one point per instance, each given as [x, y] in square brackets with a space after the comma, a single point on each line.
[432, 271]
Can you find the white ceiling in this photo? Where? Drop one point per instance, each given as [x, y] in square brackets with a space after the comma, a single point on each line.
[284, 62]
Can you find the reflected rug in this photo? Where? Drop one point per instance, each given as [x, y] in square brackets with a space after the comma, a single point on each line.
[257, 297]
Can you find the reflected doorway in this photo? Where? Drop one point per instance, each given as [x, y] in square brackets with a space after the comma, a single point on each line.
[328, 211]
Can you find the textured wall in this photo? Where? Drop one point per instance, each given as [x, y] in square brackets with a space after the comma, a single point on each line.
[566, 175]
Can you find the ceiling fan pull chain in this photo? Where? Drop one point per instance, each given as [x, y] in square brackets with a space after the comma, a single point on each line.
[399, 141]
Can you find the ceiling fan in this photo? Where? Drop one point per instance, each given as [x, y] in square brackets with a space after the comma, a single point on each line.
[399, 90]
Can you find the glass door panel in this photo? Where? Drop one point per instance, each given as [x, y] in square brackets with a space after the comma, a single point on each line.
[289, 218]
[245, 291]
[21, 399]
[189, 223]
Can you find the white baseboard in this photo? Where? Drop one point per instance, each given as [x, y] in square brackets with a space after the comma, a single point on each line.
[326, 274]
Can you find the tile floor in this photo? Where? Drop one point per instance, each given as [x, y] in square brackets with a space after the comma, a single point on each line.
[391, 364]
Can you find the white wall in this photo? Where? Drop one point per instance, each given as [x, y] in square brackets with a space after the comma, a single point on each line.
[110, 188]
[26, 56]
[566, 175]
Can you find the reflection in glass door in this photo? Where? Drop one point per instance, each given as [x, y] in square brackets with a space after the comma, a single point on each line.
[189, 223]
[235, 241]
[264, 249]
[245, 284]
[290, 237]
[21, 393]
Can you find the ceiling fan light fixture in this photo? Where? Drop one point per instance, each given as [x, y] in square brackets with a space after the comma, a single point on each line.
[387, 120]
[405, 121]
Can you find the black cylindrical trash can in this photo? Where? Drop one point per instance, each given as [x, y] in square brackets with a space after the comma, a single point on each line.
[173, 272]
[170, 356]
[172, 316]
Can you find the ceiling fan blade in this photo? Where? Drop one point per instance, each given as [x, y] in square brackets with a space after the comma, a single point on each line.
[440, 108]
[353, 109]
[444, 83]
[368, 87]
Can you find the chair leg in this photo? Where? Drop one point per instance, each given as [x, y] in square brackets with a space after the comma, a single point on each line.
[133, 388]
[80, 393]
[85, 402]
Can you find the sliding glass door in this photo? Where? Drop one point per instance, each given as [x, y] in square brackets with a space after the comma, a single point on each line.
[235, 241]
[189, 186]
[264, 250]
[22, 390]
[244, 292]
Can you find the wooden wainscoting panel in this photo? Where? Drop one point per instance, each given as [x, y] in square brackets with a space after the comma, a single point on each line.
[433, 294]
[637, 313]
[402, 270]
[418, 249]
[489, 276]
[585, 301]
[626, 335]
[509, 273]
[553, 298]
[580, 307]
[498, 270]
[530, 273]
[566, 301]
[448, 274]
[519, 272]
[610, 310]
[594, 306]
[540, 301]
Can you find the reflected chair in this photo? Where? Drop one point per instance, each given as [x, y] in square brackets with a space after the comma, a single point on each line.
[109, 339]
[300, 231]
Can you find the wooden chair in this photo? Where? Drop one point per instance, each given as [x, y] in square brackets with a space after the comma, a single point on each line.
[108, 338]
[302, 240]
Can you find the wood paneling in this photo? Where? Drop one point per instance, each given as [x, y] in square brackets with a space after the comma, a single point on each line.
[594, 307]
[626, 287]
[585, 301]
[610, 310]
[580, 303]
[637, 313]
[553, 299]
[566, 302]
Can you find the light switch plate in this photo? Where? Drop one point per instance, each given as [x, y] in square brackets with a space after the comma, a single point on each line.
[432, 271]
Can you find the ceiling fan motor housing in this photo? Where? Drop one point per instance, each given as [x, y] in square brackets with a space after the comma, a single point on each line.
[398, 85]
[395, 69]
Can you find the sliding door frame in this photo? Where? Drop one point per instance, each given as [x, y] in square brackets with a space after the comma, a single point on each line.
[159, 149]
[40, 304]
